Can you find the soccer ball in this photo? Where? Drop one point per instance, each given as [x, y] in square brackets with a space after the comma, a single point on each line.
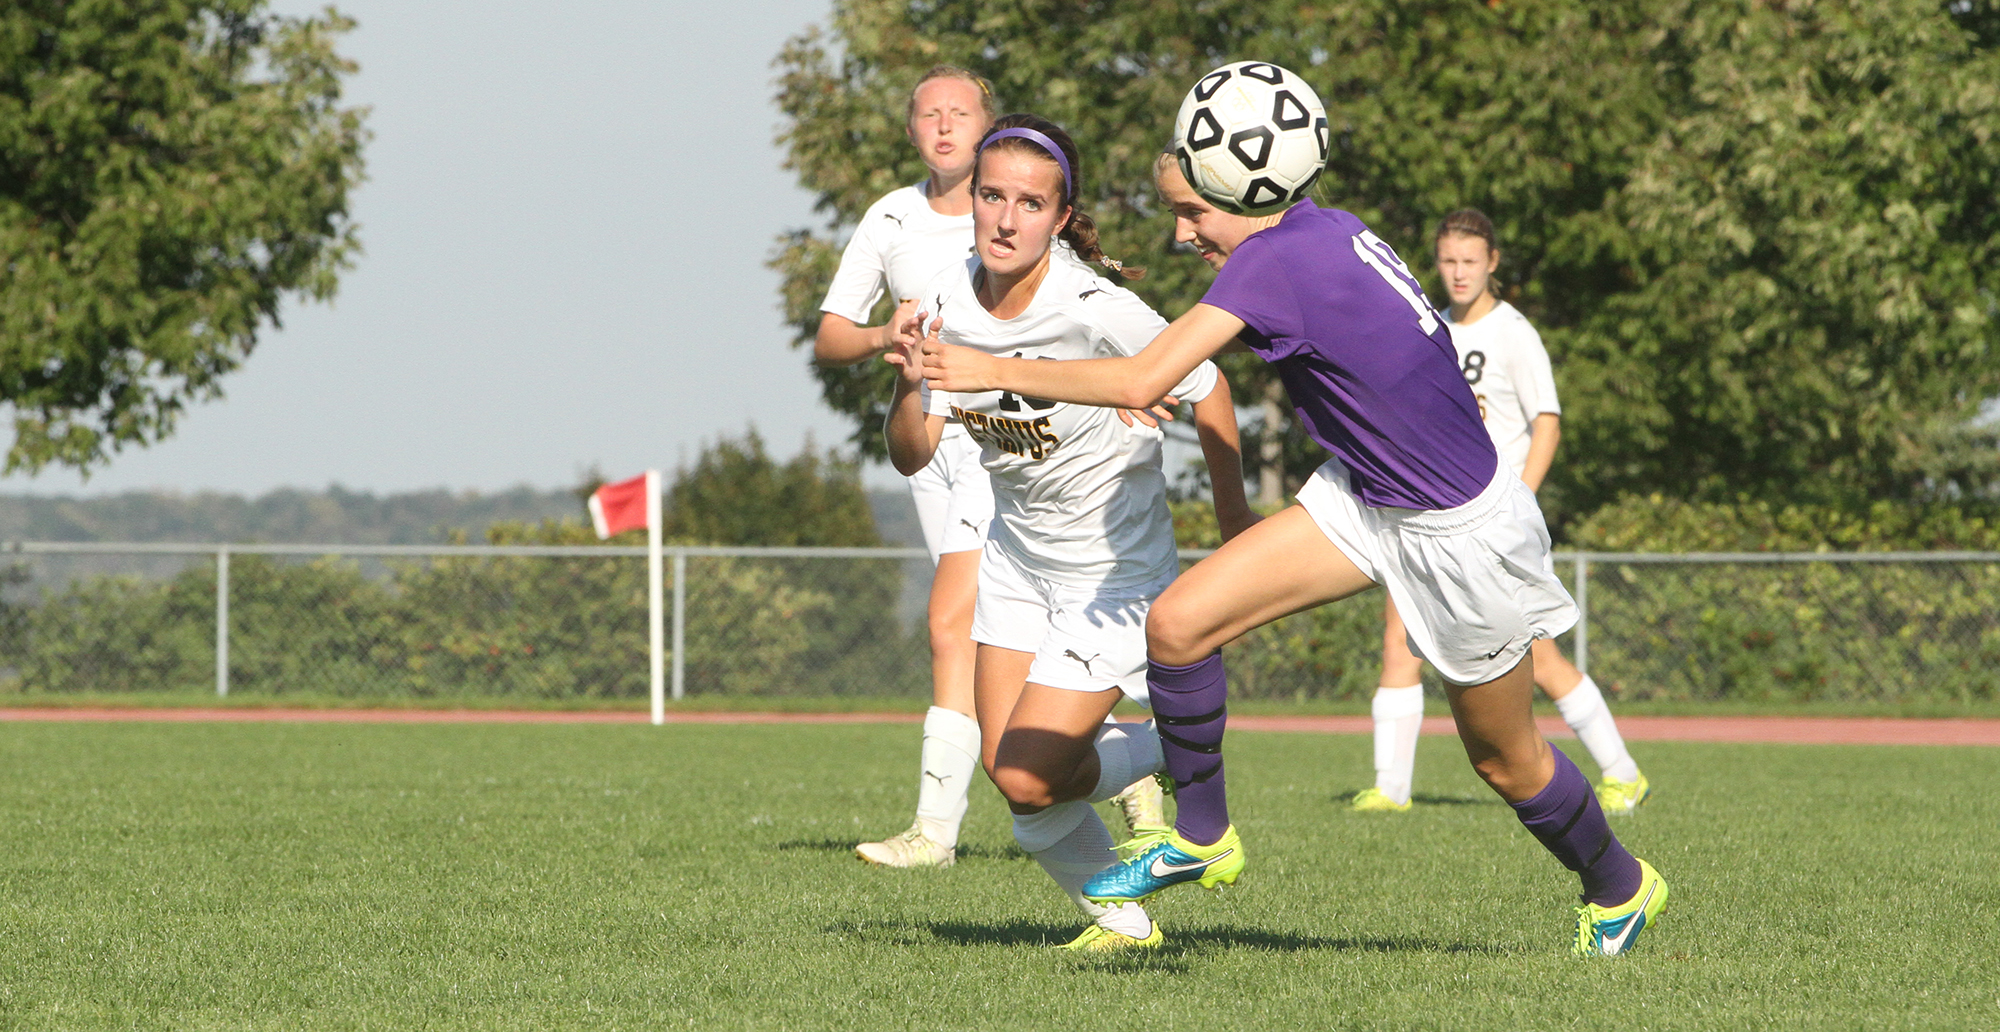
[1251, 138]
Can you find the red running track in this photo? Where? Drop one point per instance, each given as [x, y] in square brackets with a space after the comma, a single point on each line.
[1804, 730]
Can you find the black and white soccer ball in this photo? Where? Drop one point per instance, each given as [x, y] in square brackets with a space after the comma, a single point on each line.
[1251, 138]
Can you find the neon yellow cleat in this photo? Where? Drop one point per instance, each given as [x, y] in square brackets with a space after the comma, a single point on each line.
[1611, 931]
[1374, 800]
[1623, 796]
[1143, 805]
[912, 848]
[1099, 939]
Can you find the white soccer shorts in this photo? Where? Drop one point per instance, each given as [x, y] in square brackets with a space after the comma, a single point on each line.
[1475, 584]
[953, 495]
[1083, 639]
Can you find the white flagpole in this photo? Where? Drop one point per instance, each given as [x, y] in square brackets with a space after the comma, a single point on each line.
[655, 617]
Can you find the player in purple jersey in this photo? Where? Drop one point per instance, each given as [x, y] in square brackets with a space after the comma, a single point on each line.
[1414, 499]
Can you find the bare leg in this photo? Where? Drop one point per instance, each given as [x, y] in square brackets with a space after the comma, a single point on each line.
[1281, 566]
[954, 589]
[1496, 723]
[1583, 708]
[1400, 666]
[1555, 675]
[1398, 713]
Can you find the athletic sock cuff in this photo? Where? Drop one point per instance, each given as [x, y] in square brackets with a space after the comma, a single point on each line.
[952, 726]
[1038, 831]
[1582, 702]
[1393, 703]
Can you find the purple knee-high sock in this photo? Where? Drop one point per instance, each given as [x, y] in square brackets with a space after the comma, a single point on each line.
[1189, 711]
[1566, 818]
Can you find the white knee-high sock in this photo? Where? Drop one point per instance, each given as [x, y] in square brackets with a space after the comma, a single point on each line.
[951, 755]
[1399, 717]
[1583, 709]
[1071, 843]
[1125, 753]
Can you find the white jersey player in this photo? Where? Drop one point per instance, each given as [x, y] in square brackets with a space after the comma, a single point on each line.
[1508, 370]
[901, 243]
[1082, 541]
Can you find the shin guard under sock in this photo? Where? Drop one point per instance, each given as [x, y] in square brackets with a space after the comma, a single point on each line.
[1190, 712]
[951, 756]
[1566, 819]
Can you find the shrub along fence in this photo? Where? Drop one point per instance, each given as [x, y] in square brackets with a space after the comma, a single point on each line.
[568, 621]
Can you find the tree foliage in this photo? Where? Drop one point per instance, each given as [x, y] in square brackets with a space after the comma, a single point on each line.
[169, 171]
[1752, 233]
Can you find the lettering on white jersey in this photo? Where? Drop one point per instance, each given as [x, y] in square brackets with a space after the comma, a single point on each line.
[1028, 438]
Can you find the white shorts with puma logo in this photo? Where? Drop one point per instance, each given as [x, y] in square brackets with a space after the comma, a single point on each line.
[1083, 639]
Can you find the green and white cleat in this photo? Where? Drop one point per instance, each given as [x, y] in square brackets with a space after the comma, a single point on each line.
[1612, 931]
[1099, 939]
[910, 849]
[1143, 805]
[1623, 796]
[1374, 800]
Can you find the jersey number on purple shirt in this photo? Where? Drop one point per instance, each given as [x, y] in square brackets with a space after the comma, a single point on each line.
[1378, 254]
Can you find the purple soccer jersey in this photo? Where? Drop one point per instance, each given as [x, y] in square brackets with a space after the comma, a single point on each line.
[1368, 364]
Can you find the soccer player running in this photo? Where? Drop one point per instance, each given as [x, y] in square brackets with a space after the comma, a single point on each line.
[1502, 359]
[1082, 541]
[903, 240]
[1414, 499]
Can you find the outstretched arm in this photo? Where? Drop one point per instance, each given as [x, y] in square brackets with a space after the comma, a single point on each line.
[840, 342]
[1215, 424]
[1134, 383]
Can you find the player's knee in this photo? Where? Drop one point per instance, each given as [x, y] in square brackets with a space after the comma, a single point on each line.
[1506, 775]
[1176, 635]
[1022, 787]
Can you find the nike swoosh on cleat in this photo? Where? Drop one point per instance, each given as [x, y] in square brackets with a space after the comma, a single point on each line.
[1161, 868]
[1615, 946]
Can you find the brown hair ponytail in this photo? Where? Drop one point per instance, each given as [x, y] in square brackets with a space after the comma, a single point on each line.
[1080, 232]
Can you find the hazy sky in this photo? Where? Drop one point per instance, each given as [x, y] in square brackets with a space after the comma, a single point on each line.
[566, 219]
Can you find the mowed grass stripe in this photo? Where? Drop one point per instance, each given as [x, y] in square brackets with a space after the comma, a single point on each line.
[527, 876]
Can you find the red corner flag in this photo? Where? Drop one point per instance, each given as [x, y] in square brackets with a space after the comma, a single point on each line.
[625, 505]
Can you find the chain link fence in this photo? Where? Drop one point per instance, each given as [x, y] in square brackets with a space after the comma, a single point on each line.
[556, 622]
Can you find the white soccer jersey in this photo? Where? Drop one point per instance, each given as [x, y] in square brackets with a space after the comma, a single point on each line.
[1504, 362]
[902, 242]
[1079, 498]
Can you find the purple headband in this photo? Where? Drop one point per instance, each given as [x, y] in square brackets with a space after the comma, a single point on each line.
[1041, 140]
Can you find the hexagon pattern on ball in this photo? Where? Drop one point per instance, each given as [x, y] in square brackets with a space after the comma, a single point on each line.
[1251, 138]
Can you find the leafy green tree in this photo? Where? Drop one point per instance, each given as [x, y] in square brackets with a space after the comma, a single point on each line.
[169, 171]
[736, 494]
[1751, 233]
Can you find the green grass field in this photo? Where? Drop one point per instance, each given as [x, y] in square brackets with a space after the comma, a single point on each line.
[274, 876]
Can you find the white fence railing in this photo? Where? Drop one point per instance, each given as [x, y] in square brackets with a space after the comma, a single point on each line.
[1671, 623]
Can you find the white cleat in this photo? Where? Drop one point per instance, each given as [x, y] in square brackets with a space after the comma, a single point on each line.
[1143, 805]
[910, 849]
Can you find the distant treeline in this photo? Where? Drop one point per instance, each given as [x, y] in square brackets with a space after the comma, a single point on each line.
[335, 515]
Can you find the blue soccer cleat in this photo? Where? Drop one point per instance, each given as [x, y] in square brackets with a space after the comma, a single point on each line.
[1164, 861]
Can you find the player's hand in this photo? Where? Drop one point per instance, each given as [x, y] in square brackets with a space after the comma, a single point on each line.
[952, 368]
[906, 352]
[1153, 415]
[892, 331]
